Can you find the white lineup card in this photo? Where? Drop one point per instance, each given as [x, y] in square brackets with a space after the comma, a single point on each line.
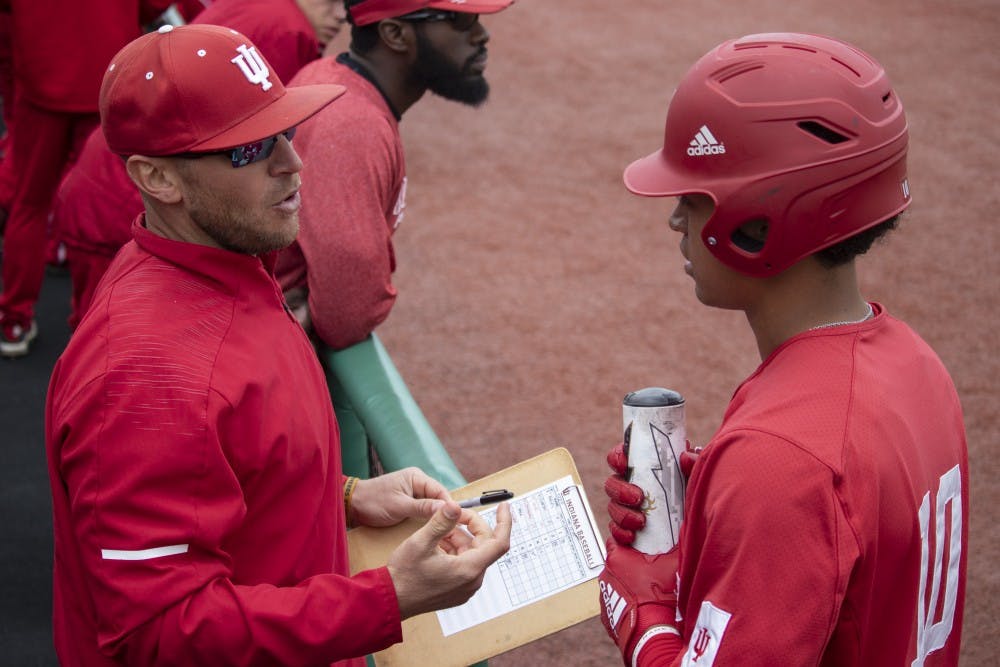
[554, 545]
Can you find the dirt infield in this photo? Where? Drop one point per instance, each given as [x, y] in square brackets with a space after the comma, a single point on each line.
[535, 292]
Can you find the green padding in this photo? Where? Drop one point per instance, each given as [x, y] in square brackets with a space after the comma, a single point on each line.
[364, 381]
[353, 439]
[373, 403]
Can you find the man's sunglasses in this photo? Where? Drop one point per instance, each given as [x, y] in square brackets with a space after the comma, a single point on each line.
[460, 21]
[256, 151]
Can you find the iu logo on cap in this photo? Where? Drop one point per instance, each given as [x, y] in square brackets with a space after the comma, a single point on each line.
[253, 66]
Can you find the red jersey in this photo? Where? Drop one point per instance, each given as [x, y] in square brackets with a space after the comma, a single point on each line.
[353, 195]
[195, 469]
[189, 9]
[827, 520]
[279, 29]
[62, 47]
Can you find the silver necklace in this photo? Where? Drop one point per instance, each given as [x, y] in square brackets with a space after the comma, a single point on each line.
[867, 316]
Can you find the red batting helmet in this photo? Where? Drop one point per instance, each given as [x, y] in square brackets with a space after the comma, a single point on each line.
[801, 131]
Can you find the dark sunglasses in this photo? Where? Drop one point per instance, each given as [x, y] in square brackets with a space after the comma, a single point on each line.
[255, 151]
[460, 21]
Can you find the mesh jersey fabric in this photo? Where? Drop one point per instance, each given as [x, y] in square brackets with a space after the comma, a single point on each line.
[353, 195]
[803, 536]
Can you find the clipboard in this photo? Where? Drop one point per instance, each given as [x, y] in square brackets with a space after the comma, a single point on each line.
[424, 642]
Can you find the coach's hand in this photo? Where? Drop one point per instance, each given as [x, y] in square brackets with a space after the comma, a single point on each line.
[442, 564]
[387, 499]
[639, 601]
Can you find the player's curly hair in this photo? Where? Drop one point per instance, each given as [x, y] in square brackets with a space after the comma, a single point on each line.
[364, 37]
[347, 5]
[855, 246]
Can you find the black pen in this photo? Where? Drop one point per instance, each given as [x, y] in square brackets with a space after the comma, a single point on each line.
[487, 497]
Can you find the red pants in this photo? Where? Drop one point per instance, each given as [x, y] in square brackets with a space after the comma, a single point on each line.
[42, 147]
[7, 96]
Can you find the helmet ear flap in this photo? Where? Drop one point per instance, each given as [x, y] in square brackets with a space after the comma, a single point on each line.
[751, 235]
[748, 246]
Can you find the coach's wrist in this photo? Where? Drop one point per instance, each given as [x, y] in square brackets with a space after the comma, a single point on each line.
[350, 483]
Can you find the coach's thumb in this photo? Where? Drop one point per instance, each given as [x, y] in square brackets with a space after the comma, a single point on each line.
[442, 523]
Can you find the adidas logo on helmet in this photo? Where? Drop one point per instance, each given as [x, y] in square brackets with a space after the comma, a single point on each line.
[705, 143]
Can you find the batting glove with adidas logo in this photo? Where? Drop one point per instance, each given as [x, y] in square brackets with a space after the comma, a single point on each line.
[639, 604]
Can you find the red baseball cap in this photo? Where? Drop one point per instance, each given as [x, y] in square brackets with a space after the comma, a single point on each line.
[371, 11]
[198, 88]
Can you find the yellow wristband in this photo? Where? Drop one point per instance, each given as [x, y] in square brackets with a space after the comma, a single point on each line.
[349, 485]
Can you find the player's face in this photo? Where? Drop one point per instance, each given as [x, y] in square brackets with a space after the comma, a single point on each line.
[715, 284]
[327, 17]
[251, 209]
[450, 62]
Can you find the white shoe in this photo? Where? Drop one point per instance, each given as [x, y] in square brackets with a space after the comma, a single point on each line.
[15, 340]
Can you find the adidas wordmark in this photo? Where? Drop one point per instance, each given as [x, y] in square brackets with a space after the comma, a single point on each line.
[614, 605]
[705, 143]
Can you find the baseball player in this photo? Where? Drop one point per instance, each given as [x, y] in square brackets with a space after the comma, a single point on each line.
[199, 506]
[59, 51]
[826, 521]
[338, 274]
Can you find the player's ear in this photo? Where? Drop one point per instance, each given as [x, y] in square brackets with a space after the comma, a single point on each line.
[398, 36]
[155, 177]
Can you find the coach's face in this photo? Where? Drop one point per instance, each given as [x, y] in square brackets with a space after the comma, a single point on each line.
[251, 209]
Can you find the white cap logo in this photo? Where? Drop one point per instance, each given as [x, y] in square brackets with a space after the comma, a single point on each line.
[253, 66]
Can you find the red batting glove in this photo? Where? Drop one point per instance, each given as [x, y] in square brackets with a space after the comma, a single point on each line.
[625, 505]
[639, 601]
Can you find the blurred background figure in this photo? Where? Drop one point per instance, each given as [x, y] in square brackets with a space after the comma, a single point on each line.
[58, 51]
[7, 99]
[97, 201]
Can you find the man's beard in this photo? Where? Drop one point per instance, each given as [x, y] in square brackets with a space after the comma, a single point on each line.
[234, 229]
[444, 79]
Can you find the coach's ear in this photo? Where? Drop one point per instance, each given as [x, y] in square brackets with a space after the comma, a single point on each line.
[155, 177]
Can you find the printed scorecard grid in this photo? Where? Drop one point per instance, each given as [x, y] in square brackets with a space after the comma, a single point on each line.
[554, 546]
[541, 540]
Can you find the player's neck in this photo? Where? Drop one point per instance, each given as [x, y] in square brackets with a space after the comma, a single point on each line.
[391, 76]
[805, 296]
